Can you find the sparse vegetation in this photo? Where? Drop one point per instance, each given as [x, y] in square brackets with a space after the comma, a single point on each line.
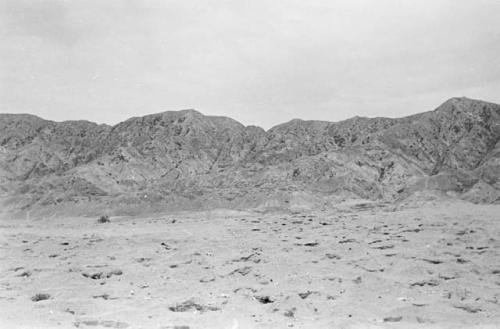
[103, 219]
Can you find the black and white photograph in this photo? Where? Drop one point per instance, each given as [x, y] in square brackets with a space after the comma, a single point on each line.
[250, 164]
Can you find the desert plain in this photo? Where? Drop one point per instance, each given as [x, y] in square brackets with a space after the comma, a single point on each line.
[434, 264]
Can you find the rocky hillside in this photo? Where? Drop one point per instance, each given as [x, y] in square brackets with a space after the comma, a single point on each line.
[183, 159]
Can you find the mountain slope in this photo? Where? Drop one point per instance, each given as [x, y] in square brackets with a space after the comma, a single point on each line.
[181, 159]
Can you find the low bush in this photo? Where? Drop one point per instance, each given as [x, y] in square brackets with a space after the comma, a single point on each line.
[103, 219]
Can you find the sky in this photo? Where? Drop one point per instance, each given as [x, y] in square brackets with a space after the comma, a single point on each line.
[261, 62]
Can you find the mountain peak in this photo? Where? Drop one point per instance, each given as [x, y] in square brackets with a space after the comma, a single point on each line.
[463, 101]
[468, 106]
[185, 157]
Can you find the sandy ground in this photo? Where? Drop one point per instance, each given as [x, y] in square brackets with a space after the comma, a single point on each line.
[433, 266]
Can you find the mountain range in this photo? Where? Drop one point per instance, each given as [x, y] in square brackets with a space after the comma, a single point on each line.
[186, 160]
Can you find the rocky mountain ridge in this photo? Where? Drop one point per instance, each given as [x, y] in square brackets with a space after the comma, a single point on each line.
[183, 159]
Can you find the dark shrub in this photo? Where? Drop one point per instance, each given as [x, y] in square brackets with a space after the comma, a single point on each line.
[104, 219]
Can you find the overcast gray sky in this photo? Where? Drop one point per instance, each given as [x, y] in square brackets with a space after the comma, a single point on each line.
[260, 62]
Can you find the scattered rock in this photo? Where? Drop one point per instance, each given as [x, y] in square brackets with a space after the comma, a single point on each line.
[190, 305]
[304, 295]
[252, 257]
[113, 324]
[102, 275]
[393, 319]
[40, 297]
[389, 246]
[432, 261]
[25, 274]
[104, 323]
[347, 241]
[468, 308]
[358, 280]
[333, 256]
[242, 270]
[290, 313]
[264, 299]
[207, 279]
[431, 283]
